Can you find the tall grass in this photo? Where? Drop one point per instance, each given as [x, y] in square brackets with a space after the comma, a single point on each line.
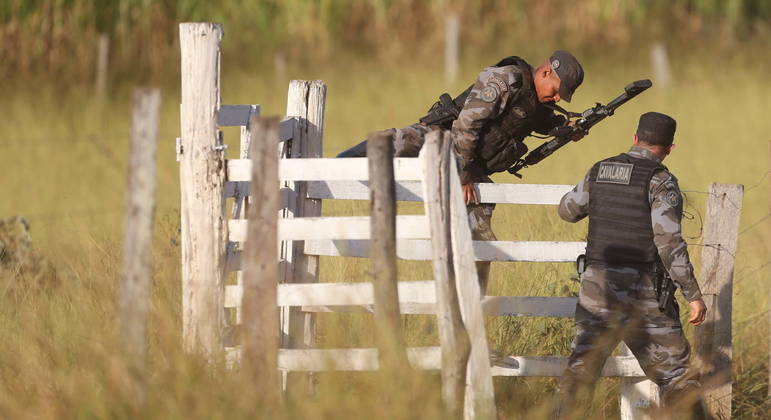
[45, 36]
[64, 166]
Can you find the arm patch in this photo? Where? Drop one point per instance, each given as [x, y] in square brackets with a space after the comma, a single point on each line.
[489, 93]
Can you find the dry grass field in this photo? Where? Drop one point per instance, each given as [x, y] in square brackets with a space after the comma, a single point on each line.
[63, 169]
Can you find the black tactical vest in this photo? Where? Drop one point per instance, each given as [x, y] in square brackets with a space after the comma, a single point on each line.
[501, 140]
[620, 231]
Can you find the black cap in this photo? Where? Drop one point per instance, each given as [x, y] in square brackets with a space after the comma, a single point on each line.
[656, 128]
[569, 70]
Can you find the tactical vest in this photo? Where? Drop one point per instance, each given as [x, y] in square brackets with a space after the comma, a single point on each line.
[620, 230]
[501, 140]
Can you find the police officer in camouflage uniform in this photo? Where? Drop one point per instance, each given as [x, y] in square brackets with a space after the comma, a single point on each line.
[489, 122]
[634, 207]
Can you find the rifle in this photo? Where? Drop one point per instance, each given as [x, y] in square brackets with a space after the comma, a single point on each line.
[587, 120]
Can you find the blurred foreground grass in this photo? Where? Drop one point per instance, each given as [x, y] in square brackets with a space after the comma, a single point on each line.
[64, 169]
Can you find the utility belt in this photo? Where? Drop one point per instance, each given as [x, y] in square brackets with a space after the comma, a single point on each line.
[663, 284]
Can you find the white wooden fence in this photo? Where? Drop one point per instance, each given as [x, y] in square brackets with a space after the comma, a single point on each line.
[212, 238]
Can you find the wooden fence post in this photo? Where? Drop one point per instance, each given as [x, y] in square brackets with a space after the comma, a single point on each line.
[382, 208]
[136, 279]
[102, 60]
[479, 402]
[305, 101]
[713, 338]
[451, 47]
[260, 264]
[638, 395]
[202, 181]
[453, 338]
[241, 197]
[660, 63]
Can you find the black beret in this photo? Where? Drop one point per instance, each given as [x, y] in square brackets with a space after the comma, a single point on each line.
[656, 128]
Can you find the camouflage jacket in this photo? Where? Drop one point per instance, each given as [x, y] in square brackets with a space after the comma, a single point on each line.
[501, 109]
[666, 204]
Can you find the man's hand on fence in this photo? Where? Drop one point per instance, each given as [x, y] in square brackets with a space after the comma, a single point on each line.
[698, 312]
[470, 193]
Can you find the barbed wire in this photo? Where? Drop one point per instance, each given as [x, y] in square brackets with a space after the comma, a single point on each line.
[719, 247]
[755, 224]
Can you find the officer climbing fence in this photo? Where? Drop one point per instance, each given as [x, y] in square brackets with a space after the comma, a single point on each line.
[260, 217]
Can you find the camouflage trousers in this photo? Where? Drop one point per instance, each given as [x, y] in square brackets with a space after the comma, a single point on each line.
[619, 304]
[407, 143]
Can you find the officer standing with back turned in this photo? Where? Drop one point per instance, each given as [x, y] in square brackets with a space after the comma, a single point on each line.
[634, 251]
[489, 122]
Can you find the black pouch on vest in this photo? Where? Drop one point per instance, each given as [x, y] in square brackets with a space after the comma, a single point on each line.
[505, 157]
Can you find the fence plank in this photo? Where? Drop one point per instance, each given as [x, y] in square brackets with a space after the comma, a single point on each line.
[637, 395]
[412, 191]
[260, 274]
[136, 278]
[202, 179]
[382, 209]
[356, 227]
[429, 358]
[453, 337]
[417, 296]
[713, 338]
[513, 306]
[236, 115]
[325, 169]
[420, 250]
[479, 399]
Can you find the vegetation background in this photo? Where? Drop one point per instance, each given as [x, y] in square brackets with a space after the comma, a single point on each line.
[64, 161]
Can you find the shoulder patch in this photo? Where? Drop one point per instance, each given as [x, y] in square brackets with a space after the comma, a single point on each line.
[670, 193]
[489, 93]
[615, 173]
[498, 82]
[672, 198]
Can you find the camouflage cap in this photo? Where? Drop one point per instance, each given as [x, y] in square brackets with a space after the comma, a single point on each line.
[656, 128]
[570, 72]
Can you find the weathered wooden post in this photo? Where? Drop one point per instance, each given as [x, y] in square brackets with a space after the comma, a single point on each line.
[260, 264]
[453, 338]
[202, 181]
[136, 279]
[660, 63]
[102, 61]
[480, 397]
[241, 198]
[382, 207]
[713, 338]
[305, 103]
[451, 47]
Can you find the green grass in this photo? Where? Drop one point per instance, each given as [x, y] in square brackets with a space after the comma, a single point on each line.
[64, 169]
